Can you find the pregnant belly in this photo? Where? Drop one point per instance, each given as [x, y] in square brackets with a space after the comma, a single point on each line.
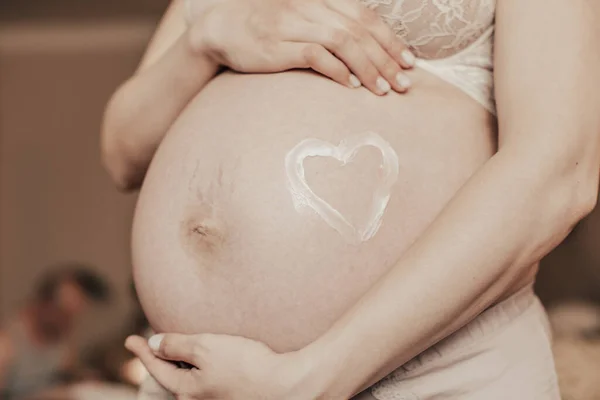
[218, 245]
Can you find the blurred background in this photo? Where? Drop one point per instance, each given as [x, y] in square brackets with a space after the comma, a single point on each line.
[60, 60]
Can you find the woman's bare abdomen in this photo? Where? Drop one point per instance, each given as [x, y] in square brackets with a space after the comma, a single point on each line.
[217, 243]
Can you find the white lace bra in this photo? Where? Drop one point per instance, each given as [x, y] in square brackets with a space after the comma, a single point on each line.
[452, 39]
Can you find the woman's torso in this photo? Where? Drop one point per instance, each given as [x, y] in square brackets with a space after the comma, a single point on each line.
[217, 243]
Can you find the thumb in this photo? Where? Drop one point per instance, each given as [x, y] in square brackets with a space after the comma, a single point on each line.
[176, 347]
[136, 344]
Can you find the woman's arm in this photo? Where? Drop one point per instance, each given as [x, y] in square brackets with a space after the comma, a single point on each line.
[141, 111]
[518, 207]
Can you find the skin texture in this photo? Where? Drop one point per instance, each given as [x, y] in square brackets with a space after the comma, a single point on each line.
[215, 219]
[548, 159]
[233, 272]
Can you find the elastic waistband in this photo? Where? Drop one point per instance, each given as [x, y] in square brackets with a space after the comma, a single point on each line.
[491, 321]
[479, 353]
[506, 311]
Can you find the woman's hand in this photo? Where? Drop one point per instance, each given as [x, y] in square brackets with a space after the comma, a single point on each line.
[225, 367]
[341, 39]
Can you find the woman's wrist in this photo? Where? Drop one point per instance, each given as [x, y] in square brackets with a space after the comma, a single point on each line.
[196, 67]
[303, 377]
[318, 370]
[200, 45]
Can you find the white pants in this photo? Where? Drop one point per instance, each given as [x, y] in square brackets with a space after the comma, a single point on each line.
[504, 354]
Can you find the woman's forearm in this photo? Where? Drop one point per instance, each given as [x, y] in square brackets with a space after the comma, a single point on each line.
[510, 214]
[143, 108]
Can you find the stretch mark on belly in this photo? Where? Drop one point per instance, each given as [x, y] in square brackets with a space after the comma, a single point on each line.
[303, 196]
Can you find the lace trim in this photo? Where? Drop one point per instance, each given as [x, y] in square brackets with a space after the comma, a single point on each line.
[436, 28]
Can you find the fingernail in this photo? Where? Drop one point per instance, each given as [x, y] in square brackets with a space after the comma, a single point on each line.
[408, 57]
[354, 82]
[155, 341]
[383, 85]
[403, 80]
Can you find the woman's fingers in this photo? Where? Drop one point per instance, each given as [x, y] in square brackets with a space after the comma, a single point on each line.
[317, 37]
[351, 43]
[162, 371]
[388, 68]
[343, 46]
[317, 58]
[299, 50]
[137, 345]
[177, 347]
[293, 52]
[378, 29]
[172, 378]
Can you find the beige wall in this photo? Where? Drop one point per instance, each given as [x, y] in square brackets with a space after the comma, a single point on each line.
[56, 202]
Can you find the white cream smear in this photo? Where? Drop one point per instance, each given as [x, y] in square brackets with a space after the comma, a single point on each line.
[303, 196]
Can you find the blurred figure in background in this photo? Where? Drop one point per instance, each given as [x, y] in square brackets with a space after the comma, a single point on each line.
[114, 363]
[36, 346]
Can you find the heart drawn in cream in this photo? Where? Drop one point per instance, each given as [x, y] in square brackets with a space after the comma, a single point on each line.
[303, 196]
